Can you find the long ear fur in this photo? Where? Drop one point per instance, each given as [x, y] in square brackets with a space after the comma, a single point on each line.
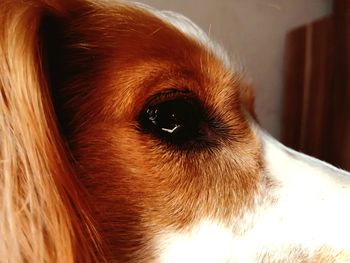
[42, 218]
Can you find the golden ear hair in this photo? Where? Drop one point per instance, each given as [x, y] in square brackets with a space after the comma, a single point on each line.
[42, 217]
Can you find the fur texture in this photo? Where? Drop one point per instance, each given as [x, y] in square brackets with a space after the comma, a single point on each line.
[82, 181]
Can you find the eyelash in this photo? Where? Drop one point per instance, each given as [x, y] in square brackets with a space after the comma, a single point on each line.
[169, 94]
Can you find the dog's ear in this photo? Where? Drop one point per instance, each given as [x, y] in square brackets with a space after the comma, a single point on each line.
[42, 217]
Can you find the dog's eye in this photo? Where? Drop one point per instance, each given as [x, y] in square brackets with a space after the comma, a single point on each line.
[177, 120]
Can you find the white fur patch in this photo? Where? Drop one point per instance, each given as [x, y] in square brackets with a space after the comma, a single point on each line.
[313, 198]
[311, 211]
[206, 242]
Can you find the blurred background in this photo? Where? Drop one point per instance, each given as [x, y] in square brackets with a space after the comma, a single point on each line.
[295, 53]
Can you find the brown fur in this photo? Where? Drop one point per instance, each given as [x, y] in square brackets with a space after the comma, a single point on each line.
[153, 186]
[42, 216]
[133, 184]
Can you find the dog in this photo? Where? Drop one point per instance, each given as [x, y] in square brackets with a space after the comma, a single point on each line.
[127, 135]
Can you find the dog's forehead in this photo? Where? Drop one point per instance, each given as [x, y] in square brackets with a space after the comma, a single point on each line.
[148, 33]
[155, 50]
[191, 30]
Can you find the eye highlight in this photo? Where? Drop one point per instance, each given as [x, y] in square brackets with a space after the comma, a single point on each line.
[176, 120]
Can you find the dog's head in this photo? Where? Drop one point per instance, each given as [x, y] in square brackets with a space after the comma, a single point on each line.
[147, 137]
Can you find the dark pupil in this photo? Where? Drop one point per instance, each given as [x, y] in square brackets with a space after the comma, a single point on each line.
[176, 120]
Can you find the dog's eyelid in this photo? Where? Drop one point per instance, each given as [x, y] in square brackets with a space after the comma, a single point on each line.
[170, 93]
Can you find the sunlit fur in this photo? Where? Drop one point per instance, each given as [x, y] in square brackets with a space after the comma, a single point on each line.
[80, 181]
[42, 218]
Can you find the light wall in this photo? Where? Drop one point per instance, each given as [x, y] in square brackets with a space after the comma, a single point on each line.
[253, 32]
